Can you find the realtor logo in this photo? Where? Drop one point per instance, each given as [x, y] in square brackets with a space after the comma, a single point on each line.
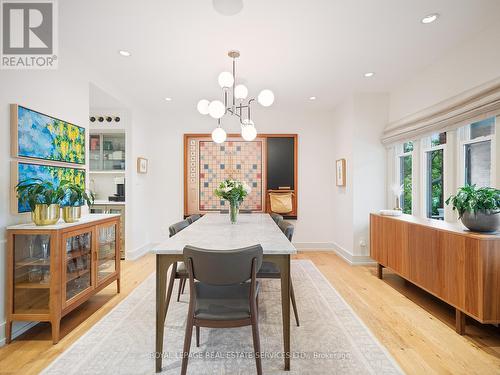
[28, 34]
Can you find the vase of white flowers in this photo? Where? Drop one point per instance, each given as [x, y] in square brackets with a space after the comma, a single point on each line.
[234, 192]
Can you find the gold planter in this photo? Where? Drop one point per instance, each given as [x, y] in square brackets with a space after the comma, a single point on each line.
[71, 214]
[45, 214]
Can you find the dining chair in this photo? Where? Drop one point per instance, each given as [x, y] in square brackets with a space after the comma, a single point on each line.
[221, 296]
[276, 217]
[269, 270]
[192, 218]
[179, 270]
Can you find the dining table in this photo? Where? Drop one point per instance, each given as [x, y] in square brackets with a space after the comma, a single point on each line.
[215, 231]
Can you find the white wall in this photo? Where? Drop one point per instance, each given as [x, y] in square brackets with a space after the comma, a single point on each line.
[315, 168]
[357, 127]
[470, 64]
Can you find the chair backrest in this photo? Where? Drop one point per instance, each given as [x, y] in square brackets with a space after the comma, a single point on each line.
[191, 219]
[177, 227]
[277, 218]
[223, 267]
[287, 229]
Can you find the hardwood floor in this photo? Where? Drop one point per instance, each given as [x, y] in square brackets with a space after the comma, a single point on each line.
[416, 328]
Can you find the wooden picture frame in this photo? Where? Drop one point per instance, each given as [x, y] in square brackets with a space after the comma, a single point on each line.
[189, 140]
[142, 165]
[340, 170]
[67, 141]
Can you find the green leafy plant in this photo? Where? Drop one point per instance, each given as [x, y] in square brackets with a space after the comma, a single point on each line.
[232, 190]
[75, 195]
[472, 199]
[35, 191]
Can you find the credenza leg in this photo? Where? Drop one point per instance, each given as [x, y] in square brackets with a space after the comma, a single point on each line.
[379, 270]
[8, 332]
[459, 322]
[55, 324]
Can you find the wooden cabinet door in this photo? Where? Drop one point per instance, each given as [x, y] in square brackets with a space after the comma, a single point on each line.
[377, 251]
[77, 273]
[425, 259]
[395, 236]
[107, 251]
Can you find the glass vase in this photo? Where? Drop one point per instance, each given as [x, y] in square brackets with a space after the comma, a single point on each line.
[234, 209]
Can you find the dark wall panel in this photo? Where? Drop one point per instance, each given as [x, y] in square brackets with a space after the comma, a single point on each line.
[280, 162]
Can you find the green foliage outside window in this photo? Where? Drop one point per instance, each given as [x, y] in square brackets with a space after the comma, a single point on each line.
[436, 181]
[406, 181]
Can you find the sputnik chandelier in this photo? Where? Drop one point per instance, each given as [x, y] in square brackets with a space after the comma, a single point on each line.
[234, 104]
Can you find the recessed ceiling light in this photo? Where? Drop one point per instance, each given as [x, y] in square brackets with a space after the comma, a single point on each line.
[430, 18]
[168, 99]
[124, 53]
[369, 74]
[312, 98]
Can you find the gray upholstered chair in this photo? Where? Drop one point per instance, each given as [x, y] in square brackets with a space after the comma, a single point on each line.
[221, 296]
[276, 217]
[270, 270]
[192, 218]
[179, 270]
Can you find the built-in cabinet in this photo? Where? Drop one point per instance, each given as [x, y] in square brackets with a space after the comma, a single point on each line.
[107, 152]
[53, 269]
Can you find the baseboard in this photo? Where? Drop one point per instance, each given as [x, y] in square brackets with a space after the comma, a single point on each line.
[353, 260]
[18, 328]
[140, 251]
[314, 246]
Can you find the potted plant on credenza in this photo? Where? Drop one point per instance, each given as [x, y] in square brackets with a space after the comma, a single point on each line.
[43, 198]
[478, 208]
[74, 198]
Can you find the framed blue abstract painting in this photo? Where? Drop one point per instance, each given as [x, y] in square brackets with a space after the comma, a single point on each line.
[39, 136]
[55, 174]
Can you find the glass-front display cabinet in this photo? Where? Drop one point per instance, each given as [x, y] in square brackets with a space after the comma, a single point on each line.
[53, 269]
[107, 152]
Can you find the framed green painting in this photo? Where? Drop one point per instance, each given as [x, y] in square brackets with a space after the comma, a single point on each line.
[35, 135]
[21, 171]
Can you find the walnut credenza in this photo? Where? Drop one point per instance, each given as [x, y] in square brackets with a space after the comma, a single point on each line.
[457, 266]
[53, 269]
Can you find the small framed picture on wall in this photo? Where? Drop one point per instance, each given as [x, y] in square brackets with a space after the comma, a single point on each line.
[142, 165]
[340, 172]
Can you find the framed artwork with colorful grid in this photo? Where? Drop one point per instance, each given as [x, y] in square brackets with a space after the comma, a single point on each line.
[207, 163]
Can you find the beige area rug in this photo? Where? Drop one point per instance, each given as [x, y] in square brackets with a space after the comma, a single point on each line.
[330, 340]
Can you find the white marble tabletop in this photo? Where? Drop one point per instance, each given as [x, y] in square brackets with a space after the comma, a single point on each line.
[215, 232]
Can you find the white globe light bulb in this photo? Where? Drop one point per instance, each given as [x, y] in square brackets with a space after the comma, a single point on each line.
[203, 106]
[248, 131]
[226, 79]
[266, 98]
[216, 109]
[240, 92]
[219, 135]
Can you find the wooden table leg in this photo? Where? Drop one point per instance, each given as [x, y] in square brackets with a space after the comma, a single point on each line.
[284, 264]
[380, 267]
[459, 322]
[163, 262]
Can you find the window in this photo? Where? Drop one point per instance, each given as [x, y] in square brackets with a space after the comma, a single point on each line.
[405, 177]
[477, 152]
[435, 177]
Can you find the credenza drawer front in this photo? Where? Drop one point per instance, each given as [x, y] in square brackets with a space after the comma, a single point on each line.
[424, 258]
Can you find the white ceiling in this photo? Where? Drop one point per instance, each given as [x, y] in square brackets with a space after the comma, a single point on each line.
[297, 48]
